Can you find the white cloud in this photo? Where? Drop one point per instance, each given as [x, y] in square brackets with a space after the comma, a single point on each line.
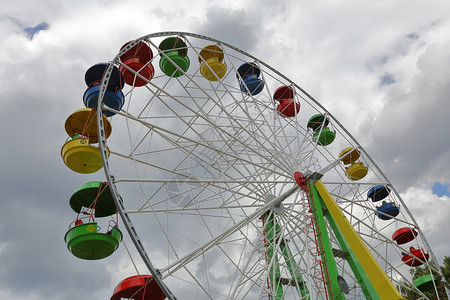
[337, 51]
[407, 134]
[431, 214]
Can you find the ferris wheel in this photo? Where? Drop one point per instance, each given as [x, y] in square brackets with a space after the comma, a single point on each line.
[233, 183]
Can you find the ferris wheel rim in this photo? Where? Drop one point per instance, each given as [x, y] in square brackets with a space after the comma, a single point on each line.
[111, 179]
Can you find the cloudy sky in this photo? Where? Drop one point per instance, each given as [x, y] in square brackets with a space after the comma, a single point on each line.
[380, 67]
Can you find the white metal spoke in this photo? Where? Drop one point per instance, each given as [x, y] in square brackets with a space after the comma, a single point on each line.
[195, 160]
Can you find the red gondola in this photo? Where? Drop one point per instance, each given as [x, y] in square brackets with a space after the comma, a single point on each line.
[139, 287]
[404, 235]
[288, 108]
[283, 93]
[416, 257]
[137, 59]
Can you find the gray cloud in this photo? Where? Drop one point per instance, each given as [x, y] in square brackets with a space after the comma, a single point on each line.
[234, 26]
[339, 52]
[408, 133]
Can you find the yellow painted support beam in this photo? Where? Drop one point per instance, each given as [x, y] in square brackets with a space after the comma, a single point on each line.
[381, 283]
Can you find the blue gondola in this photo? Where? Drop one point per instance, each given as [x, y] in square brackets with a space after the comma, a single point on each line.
[378, 192]
[113, 97]
[387, 211]
[248, 76]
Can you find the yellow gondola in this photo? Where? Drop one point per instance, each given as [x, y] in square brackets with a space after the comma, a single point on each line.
[81, 157]
[84, 122]
[212, 66]
[356, 171]
[349, 155]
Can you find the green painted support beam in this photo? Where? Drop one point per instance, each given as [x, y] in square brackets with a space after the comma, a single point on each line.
[358, 271]
[378, 278]
[328, 259]
[271, 233]
[294, 271]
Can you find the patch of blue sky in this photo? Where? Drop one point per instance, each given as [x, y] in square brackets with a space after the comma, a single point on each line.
[387, 79]
[441, 189]
[31, 31]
